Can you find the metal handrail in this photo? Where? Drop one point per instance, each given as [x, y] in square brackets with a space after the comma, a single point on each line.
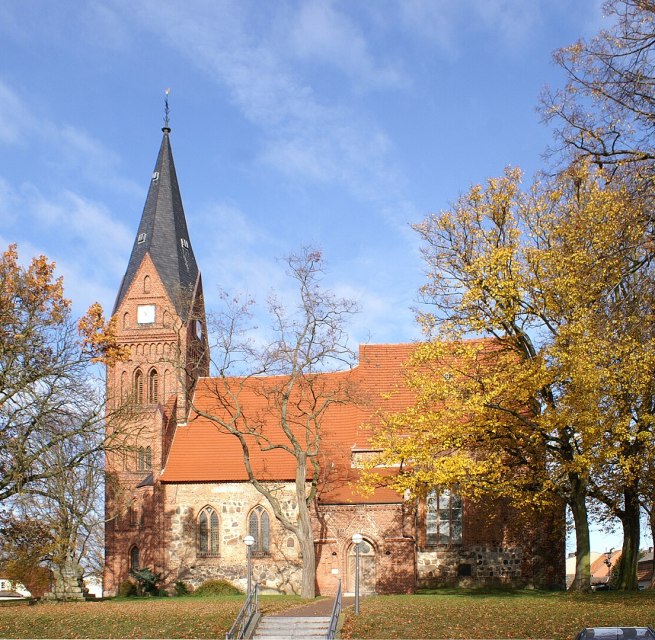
[246, 614]
[336, 612]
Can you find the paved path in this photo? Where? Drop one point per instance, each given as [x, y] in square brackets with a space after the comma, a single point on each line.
[321, 607]
[306, 622]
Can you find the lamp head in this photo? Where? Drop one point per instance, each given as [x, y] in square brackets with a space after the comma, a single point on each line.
[248, 541]
[357, 538]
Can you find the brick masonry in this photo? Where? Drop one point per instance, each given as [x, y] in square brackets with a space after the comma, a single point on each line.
[157, 522]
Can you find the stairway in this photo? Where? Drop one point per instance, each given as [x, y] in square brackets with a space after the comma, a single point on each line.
[281, 627]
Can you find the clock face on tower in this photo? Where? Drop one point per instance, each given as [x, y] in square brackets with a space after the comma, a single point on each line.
[145, 314]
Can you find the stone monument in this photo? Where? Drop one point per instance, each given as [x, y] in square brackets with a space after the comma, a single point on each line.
[68, 583]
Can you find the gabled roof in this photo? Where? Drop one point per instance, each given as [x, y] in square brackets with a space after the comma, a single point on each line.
[163, 234]
[200, 452]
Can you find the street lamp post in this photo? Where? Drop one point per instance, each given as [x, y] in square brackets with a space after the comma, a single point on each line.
[608, 564]
[357, 540]
[249, 541]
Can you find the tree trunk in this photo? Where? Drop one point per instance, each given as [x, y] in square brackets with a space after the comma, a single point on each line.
[651, 520]
[578, 505]
[627, 578]
[306, 533]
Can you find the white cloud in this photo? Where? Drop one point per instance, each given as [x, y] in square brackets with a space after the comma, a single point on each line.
[9, 204]
[81, 153]
[449, 24]
[303, 135]
[15, 118]
[322, 33]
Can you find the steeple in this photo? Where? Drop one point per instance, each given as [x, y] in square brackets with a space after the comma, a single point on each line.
[163, 234]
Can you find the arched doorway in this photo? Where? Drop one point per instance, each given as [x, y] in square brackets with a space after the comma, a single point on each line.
[366, 568]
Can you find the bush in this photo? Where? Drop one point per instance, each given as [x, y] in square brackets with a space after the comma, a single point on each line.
[146, 582]
[182, 588]
[127, 589]
[217, 588]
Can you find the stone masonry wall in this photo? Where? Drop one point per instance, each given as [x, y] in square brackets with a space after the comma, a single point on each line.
[467, 566]
[233, 502]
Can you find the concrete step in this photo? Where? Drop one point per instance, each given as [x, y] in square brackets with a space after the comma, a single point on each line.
[274, 627]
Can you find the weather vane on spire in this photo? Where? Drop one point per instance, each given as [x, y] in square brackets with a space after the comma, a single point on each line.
[167, 109]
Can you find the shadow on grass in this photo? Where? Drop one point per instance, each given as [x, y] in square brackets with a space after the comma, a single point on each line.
[499, 592]
[485, 592]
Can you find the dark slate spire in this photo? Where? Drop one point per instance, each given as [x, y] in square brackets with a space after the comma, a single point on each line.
[163, 234]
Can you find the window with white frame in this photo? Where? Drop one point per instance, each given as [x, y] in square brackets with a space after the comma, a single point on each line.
[443, 517]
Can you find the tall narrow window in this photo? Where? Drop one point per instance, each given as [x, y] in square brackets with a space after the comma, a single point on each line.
[443, 518]
[208, 532]
[144, 459]
[138, 386]
[259, 528]
[134, 559]
[153, 386]
[146, 284]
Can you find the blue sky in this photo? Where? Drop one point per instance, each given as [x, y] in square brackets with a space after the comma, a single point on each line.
[329, 123]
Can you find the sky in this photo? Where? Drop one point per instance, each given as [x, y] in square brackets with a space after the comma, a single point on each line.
[294, 123]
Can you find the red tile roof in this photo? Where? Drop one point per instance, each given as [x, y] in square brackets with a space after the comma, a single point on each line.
[203, 452]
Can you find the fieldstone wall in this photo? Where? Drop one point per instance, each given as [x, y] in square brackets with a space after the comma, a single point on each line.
[280, 571]
[467, 566]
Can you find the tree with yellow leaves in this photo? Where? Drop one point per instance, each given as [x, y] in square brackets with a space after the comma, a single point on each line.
[533, 412]
[51, 412]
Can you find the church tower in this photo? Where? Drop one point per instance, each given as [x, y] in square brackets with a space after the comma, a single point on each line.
[161, 319]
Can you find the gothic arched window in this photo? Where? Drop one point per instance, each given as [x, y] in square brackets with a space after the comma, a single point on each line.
[153, 386]
[144, 459]
[259, 527]
[146, 284]
[208, 532]
[138, 386]
[134, 558]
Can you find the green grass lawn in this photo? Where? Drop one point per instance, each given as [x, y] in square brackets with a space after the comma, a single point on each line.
[512, 614]
[442, 614]
[187, 617]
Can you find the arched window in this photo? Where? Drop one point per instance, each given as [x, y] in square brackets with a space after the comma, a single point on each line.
[126, 320]
[134, 559]
[153, 386]
[208, 532]
[138, 386]
[124, 389]
[144, 459]
[146, 284]
[259, 527]
[443, 518]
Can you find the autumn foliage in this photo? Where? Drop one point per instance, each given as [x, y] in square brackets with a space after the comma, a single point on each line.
[51, 409]
[556, 403]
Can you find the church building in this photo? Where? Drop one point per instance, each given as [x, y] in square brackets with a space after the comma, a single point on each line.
[178, 499]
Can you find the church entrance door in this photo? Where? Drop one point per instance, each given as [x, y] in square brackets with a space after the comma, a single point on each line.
[366, 568]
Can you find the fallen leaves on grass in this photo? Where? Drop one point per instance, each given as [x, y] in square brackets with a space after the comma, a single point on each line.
[503, 615]
[184, 617]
